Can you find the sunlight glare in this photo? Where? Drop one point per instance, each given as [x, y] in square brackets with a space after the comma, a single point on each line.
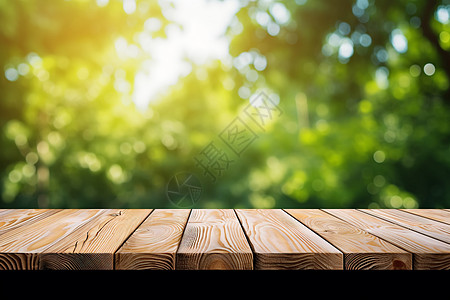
[200, 40]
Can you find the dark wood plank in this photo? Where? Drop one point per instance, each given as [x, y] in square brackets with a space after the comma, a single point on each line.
[363, 251]
[154, 244]
[213, 239]
[428, 253]
[280, 242]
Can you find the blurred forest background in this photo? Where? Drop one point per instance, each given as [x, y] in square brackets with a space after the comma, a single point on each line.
[99, 110]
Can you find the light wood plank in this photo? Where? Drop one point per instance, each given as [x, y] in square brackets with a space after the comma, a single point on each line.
[213, 239]
[154, 244]
[280, 242]
[93, 244]
[92, 239]
[362, 250]
[440, 215]
[417, 223]
[19, 247]
[14, 218]
[428, 253]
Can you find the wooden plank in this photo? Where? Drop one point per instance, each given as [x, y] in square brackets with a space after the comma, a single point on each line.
[362, 251]
[213, 239]
[281, 242]
[154, 244]
[440, 215]
[19, 247]
[423, 225]
[14, 218]
[92, 245]
[428, 253]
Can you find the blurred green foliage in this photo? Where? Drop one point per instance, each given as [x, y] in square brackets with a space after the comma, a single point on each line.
[363, 85]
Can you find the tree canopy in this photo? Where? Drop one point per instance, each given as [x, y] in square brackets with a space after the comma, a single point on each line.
[360, 97]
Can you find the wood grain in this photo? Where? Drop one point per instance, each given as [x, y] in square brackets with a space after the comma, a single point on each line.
[362, 250]
[93, 244]
[213, 239]
[162, 239]
[154, 244]
[440, 215]
[428, 253]
[437, 230]
[20, 247]
[14, 218]
[280, 242]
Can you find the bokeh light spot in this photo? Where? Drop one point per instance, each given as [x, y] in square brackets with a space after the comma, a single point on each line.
[444, 36]
[260, 62]
[415, 70]
[11, 74]
[102, 3]
[129, 6]
[399, 41]
[429, 69]
[280, 13]
[365, 40]
[443, 14]
[273, 29]
[244, 92]
[344, 28]
[381, 77]
[379, 156]
[346, 48]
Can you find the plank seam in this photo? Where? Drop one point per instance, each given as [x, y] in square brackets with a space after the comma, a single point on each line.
[422, 216]
[366, 230]
[181, 238]
[374, 234]
[125, 240]
[387, 220]
[248, 239]
[342, 252]
[398, 224]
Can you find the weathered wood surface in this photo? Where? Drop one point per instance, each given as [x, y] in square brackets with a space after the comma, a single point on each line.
[437, 230]
[245, 239]
[281, 242]
[362, 250]
[13, 218]
[154, 244]
[428, 253]
[93, 244]
[214, 239]
[69, 239]
[21, 246]
[440, 215]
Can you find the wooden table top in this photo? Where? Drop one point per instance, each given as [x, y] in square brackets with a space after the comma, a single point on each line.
[244, 239]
